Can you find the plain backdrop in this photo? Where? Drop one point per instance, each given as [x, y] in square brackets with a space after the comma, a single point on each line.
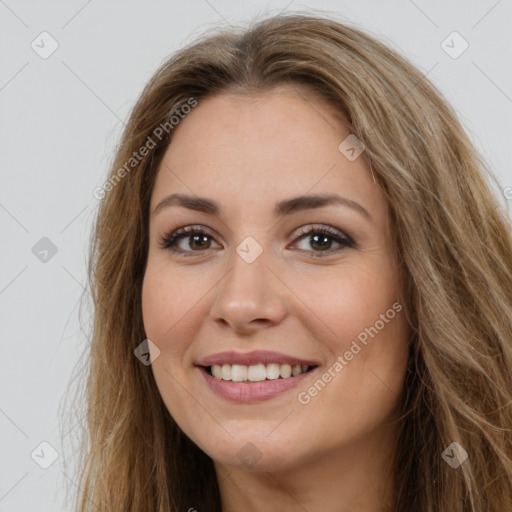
[60, 118]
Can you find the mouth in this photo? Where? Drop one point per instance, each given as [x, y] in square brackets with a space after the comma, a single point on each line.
[256, 383]
[256, 372]
[253, 377]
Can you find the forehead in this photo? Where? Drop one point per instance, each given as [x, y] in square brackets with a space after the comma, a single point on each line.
[269, 145]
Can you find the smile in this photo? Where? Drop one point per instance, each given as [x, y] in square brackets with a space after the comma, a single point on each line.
[251, 391]
[255, 376]
[256, 372]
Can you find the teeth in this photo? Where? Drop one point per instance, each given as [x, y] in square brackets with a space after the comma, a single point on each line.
[285, 370]
[225, 373]
[238, 373]
[272, 371]
[217, 371]
[256, 372]
[296, 370]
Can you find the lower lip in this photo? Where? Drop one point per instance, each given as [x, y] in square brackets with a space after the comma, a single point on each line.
[254, 391]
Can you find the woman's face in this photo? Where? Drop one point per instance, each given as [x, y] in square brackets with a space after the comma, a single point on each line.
[256, 294]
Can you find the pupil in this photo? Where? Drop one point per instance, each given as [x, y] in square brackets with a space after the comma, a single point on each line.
[326, 239]
[199, 237]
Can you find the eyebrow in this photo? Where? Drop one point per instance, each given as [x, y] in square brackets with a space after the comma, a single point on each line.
[285, 207]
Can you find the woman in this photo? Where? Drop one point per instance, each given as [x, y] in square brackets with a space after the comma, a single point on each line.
[298, 235]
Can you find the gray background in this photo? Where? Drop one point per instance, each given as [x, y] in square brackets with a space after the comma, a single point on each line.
[60, 118]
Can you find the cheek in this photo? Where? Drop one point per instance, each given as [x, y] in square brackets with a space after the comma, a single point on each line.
[346, 301]
[169, 323]
[173, 308]
[362, 320]
[161, 313]
[168, 300]
[155, 303]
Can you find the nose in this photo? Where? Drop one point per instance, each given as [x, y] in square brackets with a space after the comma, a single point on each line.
[249, 297]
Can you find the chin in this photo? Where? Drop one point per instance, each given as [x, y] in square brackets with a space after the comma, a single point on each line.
[255, 452]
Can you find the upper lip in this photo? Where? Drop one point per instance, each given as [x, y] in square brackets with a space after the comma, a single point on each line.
[252, 358]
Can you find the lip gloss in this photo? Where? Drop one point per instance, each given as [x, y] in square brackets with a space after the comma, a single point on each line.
[246, 392]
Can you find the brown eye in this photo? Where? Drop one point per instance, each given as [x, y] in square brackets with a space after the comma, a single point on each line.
[196, 240]
[321, 239]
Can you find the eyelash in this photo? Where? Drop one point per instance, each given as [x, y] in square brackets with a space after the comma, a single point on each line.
[168, 241]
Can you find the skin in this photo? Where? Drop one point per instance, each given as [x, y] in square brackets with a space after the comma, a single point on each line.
[248, 152]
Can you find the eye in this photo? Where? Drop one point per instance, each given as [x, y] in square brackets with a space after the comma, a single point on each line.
[322, 238]
[197, 239]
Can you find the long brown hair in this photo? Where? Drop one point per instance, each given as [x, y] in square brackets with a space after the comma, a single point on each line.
[451, 236]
